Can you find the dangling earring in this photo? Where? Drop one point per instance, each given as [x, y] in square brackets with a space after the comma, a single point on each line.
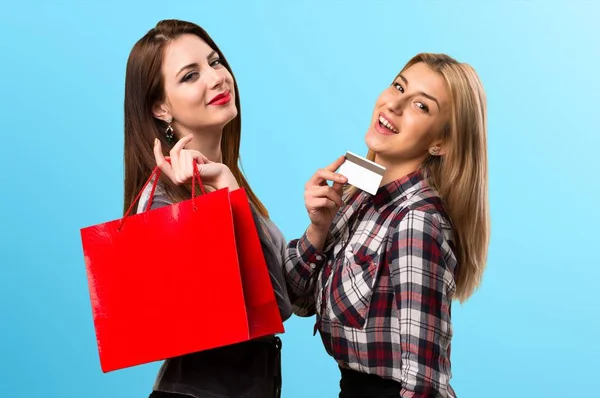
[434, 151]
[169, 132]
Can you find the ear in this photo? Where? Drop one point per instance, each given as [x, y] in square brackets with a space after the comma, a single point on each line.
[438, 145]
[161, 111]
[437, 148]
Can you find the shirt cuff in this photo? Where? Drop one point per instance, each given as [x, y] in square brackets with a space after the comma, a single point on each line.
[311, 259]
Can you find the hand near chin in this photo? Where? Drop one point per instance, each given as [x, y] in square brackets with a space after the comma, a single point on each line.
[180, 168]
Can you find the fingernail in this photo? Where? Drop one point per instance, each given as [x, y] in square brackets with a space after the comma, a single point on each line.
[155, 141]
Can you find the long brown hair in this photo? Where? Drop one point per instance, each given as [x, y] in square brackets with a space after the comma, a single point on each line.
[461, 174]
[144, 86]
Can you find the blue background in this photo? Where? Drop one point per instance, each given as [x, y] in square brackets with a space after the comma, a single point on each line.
[309, 74]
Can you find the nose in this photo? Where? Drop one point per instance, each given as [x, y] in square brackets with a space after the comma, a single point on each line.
[215, 79]
[396, 105]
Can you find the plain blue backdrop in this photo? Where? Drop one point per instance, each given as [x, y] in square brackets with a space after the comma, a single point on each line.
[309, 73]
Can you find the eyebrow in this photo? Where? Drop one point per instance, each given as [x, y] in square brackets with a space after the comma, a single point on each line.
[424, 94]
[195, 64]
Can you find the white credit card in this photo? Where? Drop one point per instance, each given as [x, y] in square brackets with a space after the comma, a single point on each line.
[362, 173]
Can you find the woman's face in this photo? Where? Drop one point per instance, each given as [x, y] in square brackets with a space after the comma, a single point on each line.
[409, 116]
[199, 90]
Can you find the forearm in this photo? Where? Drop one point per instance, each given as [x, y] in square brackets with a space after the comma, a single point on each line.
[303, 262]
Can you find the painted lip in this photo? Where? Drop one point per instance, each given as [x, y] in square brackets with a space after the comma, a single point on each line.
[221, 99]
[384, 130]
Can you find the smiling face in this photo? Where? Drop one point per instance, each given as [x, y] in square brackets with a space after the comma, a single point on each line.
[409, 117]
[199, 90]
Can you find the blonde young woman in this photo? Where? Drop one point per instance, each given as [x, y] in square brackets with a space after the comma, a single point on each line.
[380, 272]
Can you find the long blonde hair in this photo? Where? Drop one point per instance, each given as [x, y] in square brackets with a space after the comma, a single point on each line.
[461, 174]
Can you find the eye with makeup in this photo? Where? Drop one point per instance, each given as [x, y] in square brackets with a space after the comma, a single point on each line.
[193, 75]
[215, 62]
[190, 76]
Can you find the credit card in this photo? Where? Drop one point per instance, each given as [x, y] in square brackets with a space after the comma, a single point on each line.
[362, 173]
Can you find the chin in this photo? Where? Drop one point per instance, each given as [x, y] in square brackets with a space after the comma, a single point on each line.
[372, 141]
[228, 115]
[232, 113]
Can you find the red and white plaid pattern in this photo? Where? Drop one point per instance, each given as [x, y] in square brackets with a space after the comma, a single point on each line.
[382, 286]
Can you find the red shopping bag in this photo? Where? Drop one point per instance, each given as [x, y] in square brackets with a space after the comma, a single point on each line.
[264, 317]
[178, 279]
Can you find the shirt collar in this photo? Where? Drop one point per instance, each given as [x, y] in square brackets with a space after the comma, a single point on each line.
[397, 190]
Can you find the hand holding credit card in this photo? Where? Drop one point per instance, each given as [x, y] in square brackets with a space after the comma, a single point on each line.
[362, 173]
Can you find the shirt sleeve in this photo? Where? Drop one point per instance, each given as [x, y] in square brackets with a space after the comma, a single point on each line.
[159, 199]
[273, 246]
[302, 263]
[423, 285]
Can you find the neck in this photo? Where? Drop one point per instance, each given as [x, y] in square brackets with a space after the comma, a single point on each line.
[395, 169]
[206, 141]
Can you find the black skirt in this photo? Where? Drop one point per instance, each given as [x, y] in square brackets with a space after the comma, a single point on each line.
[246, 370]
[355, 384]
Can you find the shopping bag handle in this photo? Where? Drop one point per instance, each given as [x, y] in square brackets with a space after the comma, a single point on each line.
[156, 173]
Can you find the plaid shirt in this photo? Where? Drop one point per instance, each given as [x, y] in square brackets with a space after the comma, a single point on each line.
[382, 286]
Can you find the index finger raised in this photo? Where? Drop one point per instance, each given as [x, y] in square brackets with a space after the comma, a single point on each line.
[161, 161]
[336, 165]
[328, 174]
[181, 143]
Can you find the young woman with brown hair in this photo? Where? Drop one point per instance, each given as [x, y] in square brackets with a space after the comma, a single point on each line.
[181, 99]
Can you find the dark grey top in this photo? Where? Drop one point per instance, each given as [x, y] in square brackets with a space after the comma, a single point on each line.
[273, 245]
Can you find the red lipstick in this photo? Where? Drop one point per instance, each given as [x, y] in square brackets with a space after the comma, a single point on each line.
[221, 99]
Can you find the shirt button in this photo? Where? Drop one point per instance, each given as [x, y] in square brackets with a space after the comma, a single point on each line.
[313, 266]
[319, 257]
